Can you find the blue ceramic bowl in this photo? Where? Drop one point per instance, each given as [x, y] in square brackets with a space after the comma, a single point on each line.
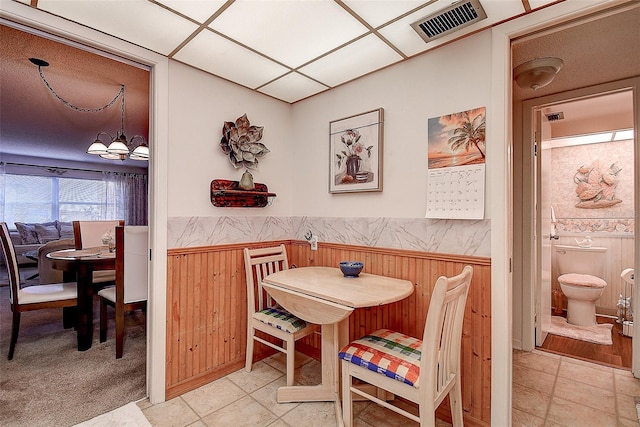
[351, 268]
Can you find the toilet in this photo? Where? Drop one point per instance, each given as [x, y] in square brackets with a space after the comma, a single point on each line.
[581, 270]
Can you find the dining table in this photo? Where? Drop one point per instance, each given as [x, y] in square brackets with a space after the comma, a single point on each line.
[324, 296]
[78, 265]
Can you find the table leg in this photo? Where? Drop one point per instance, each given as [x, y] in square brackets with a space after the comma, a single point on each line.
[85, 307]
[334, 337]
[326, 391]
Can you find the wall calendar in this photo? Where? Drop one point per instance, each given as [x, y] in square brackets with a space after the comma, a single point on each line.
[456, 165]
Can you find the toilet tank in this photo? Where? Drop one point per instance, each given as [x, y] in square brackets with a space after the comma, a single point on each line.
[580, 260]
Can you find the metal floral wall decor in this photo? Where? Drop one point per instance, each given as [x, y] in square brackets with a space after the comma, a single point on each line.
[596, 186]
[240, 142]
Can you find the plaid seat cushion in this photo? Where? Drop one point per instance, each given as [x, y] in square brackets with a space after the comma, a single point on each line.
[281, 319]
[388, 353]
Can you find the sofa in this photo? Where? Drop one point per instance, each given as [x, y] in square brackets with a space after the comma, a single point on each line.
[31, 236]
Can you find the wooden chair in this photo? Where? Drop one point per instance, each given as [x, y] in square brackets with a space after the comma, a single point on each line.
[32, 297]
[130, 291]
[422, 371]
[263, 313]
[88, 234]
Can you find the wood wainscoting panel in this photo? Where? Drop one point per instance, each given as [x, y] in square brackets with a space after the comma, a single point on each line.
[206, 306]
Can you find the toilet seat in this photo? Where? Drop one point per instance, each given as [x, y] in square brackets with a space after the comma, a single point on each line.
[584, 280]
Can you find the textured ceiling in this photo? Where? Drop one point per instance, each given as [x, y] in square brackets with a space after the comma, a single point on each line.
[289, 50]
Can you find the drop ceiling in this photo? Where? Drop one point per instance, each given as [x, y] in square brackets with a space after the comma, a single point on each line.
[287, 49]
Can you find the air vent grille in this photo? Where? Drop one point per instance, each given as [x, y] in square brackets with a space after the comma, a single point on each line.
[450, 19]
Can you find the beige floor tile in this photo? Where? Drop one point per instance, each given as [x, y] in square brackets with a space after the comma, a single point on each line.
[627, 385]
[144, 404]
[624, 422]
[309, 373]
[522, 419]
[267, 397]
[532, 378]
[565, 412]
[245, 412]
[575, 370]
[213, 396]
[540, 361]
[380, 416]
[261, 374]
[172, 413]
[198, 423]
[529, 400]
[279, 423]
[312, 414]
[591, 365]
[586, 394]
[279, 361]
[626, 406]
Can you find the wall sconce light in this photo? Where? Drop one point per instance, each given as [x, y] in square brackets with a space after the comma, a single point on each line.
[537, 73]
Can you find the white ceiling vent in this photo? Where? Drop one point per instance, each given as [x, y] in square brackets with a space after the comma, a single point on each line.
[449, 19]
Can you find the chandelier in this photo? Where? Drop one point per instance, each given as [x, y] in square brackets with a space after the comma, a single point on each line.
[119, 148]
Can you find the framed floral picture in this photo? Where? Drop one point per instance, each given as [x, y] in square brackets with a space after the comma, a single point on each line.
[355, 162]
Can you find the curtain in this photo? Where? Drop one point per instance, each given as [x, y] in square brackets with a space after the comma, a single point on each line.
[2, 191]
[127, 197]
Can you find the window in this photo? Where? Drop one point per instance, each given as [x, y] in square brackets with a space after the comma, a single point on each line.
[32, 193]
[42, 199]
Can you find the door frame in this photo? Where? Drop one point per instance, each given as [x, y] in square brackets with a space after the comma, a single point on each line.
[158, 143]
[528, 221]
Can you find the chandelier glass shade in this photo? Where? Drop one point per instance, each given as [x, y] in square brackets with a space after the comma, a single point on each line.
[118, 147]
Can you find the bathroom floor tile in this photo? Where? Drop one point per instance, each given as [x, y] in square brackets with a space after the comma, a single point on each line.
[267, 396]
[585, 394]
[545, 362]
[532, 378]
[312, 414]
[523, 419]
[567, 413]
[592, 375]
[529, 400]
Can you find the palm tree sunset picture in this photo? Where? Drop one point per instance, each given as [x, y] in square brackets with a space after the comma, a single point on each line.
[457, 139]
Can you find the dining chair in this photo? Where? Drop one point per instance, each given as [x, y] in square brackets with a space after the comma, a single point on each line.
[32, 297]
[88, 234]
[264, 314]
[421, 371]
[131, 289]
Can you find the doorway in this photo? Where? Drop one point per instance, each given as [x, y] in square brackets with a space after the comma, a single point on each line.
[594, 129]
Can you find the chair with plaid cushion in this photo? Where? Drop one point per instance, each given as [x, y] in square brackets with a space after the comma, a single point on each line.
[422, 371]
[264, 314]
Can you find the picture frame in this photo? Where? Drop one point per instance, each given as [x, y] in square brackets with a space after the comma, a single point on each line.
[355, 153]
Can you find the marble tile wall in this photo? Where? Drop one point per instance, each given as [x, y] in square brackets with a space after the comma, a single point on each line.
[462, 237]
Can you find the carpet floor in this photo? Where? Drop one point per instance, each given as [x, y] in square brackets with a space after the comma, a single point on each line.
[598, 334]
[50, 383]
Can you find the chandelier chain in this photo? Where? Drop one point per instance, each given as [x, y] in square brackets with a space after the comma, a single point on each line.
[81, 109]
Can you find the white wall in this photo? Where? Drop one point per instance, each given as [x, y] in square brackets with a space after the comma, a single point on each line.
[450, 79]
[199, 104]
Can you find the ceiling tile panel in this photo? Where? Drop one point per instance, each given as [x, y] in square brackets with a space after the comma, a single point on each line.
[137, 21]
[377, 12]
[226, 59]
[364, 56]
[200, 10]
[292, 87]
[292, 32]
[539, 3]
